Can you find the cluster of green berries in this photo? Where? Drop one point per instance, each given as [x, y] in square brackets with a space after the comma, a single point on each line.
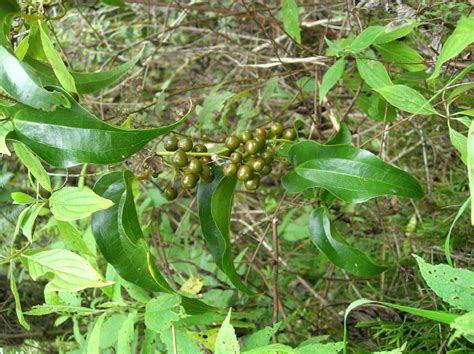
[249, 158]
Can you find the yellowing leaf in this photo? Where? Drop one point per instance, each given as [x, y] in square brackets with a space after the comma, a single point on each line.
[73, 203]
[193, 285]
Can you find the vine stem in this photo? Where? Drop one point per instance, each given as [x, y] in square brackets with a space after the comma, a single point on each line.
[276, 301]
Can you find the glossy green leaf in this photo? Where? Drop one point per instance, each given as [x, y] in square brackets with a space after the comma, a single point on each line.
[406, 99]
[226, 341]
[8, 9]
[215, 206]
[396, 30]
[22, 198]
[56, 62]
[74, 203]
[366, 38]
[470, 166]
[373, 72]
[119, 237]
[343, 136]
[68, 137]
[331, 77]
[326, 237]
[462, 36]
[33, 164]
[19, 81]
[70, 272]
[453, 285]
[5, 128]
[402, 55]
[351, 174]
[291, 22]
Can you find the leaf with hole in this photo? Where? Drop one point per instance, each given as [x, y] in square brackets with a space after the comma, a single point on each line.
[351, 174]
[328, 240]
[72, 136]
[215, 206]
[226, 341]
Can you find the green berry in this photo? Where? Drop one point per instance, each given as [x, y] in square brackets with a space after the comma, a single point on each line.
[266, 170]
[252, 184]
[207, 174]
[289, 134]
[236, 157]
[189, 181]
[185, 144]
[261, 133]
[205, 160]
[246, 135]
[171, 143]
[180, 159]
[277, 129]
[252, 146]
[171, 193]
[194, 166]
[200, 148]
[232, 142]
[244, 173]
[267, 155]
[258, 164]
[261, 142]
[229, 169]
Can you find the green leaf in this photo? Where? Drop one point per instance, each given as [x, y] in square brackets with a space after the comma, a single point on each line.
[453, 285]
[74, 203]
[470, 166]
[343, 136]
[366, 38]
[459, 141]
[325, 236]
[5, 128]
[126, 334]
[331, 77]
[16, 296]
[68, 137]
[442, 317]
[396, 30]
[272, 349]
[215, 206]
[462, 37]
[226, 342]
[260, 338]
[376, 107]
[22, 198]
[56, 62]
[351, 174]
[373, 73]
[93, 340]
[72, 238]
[463, 326]
[33, 164]
[406, 99]
[119, 237]
[402, 55]
[8, 9]
[18, 80]
[321, 348]
[159, 312]
[66, 270]
[447, 242]
[28, 218]
[96, 81]
[291, 22]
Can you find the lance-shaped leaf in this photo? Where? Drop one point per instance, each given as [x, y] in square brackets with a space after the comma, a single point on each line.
[72, 136]
[331, 77]
[215, 207]
[86, 82]
[8, 9]
[120, 238]
[19, 81]
[351, 174]
[325, 236]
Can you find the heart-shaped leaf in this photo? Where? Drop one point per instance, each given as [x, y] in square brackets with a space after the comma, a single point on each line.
[72, 136]
[351, 174]
[119, 237]
[325, 236]
[215, 207]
